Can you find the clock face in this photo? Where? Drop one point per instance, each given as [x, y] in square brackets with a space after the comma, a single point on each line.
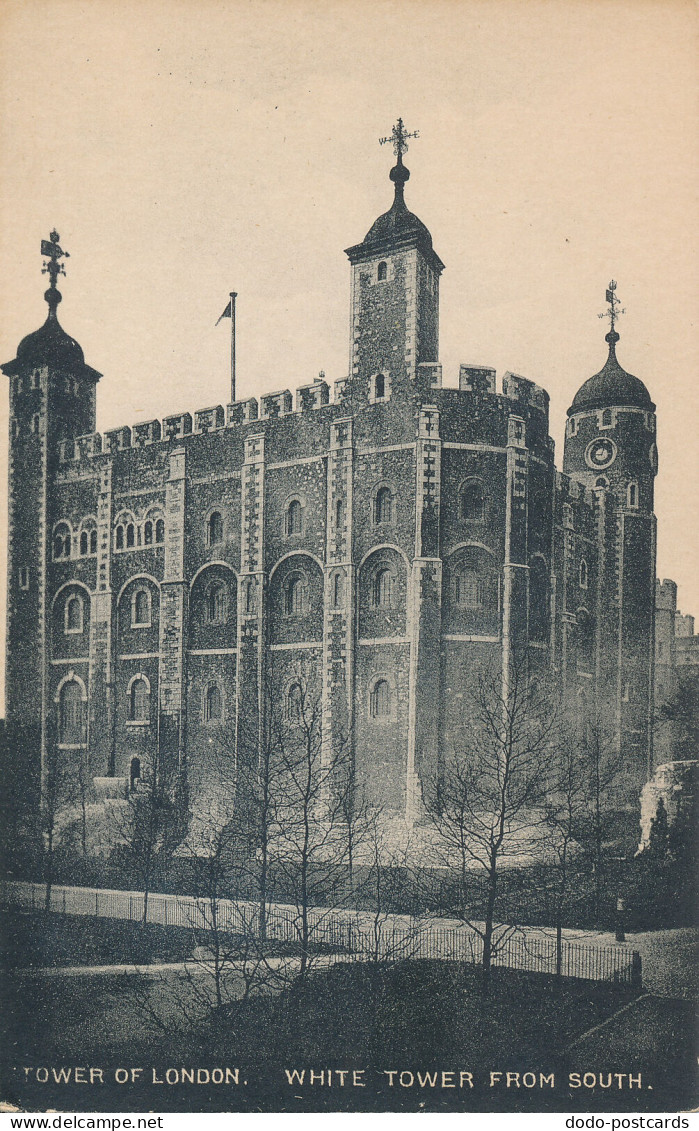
[600, 453]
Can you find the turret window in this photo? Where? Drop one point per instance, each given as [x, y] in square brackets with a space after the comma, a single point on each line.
[380, 700]
[472, 501]
[214, 529]
[213, 704]
[339, 514]
[23, 577]
[337, 590]
[294, 517]
[383, 505]
[582, 574]
[160, 530]
[35, 422]
[139, 694]
[61, 541]
[382, 271]
[379, 388]
[632, 495]
[607, 420]
[130, 536]
[84, 543]
[74, 614]
[140, 609]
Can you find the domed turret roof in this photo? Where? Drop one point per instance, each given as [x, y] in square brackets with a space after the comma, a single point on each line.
[612, 386]
[50, 345]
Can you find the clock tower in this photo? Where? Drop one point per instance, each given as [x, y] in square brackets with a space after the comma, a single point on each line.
[610, 447]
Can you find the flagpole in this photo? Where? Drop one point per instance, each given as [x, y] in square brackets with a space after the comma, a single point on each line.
[233, 295]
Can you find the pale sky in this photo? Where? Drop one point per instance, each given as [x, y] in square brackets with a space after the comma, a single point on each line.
[186, 149]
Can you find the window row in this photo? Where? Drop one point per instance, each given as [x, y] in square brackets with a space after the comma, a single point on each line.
[85, 543]
[129, 535]
[381, 701]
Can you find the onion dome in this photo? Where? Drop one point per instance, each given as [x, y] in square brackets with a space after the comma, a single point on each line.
[50, 345]
[612, 386]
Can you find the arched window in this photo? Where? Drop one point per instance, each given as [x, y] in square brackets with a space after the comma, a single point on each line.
[382, 272]
[583, 574]
[602, 481]
[148, 533]
[383, 505]
[213, 704]
[120, 537]
[215, 603]
[138, 701]
[249, 596]
[469, 589]
[632, 495]
[381, 699]
[83, 542]
[214, 529]
[140, 608]
[539, 612]
[93, 541]
[61, 541]
[472, 502]
[131, 535]
[607, 418]
[295, 595]
[160, 530]
[71, 714]
[35, 423]
[382, 589]
[339, 514]
[293, 517]
[134, 773]
[294, 703]
[74, 614]
[379, 386]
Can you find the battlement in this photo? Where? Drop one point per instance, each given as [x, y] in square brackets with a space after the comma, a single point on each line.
[665, 595]
[316, 395]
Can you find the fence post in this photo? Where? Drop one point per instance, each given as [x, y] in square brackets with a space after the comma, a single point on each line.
[636, 970]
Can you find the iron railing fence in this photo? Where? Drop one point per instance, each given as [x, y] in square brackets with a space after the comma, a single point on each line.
[360, 935]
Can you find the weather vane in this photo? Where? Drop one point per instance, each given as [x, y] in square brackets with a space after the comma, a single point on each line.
[53, 253]
[399, 139]
[613, 311]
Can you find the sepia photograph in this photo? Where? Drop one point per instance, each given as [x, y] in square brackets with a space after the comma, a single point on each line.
[350, 742]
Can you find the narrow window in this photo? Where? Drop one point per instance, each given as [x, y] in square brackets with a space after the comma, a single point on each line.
[294, 703]
[381, 699]
[539, 601]
[583, 574]
[382, 272]
[58, 546]
[148, 533]
[379, 386]
[215, 603]
[140, 610]
[469, 589]
[293, 517]
[83, 543]
[134, 773]
[249, 596]
[632, 495]
[295, 602]
[337, 590]
[339, 514]
[71, 711]
[383, 588]
[383, 505]
[130, 535]
[23, 577]
[160, 530]
[473, 501]
[602, 482]
[15, 430]
[120, 537]
[138, 702]
[35, 423]
[66, 546]
[214, 529]
[607, 418]
[213, 704]
[74, 614]
[93, 541]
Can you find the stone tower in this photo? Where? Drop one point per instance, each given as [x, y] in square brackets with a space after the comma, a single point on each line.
[395, 295]
[610, 446]
[52, 397]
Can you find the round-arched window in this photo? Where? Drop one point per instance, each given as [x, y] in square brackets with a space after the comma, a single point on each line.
[213, 704]
[138, 701]
[71, 721]
[215, 603]
[140, 608]
[74, 614]
[383, 505]
[472, 502]
[381, 699]
[295, 595]
[214, 528]
[294, 517]
[382, 589]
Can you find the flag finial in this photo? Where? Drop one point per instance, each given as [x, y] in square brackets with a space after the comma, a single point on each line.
[399, 173]
[53, 252]
[612, 313]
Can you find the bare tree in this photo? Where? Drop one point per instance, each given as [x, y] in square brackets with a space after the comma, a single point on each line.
[487, 807]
